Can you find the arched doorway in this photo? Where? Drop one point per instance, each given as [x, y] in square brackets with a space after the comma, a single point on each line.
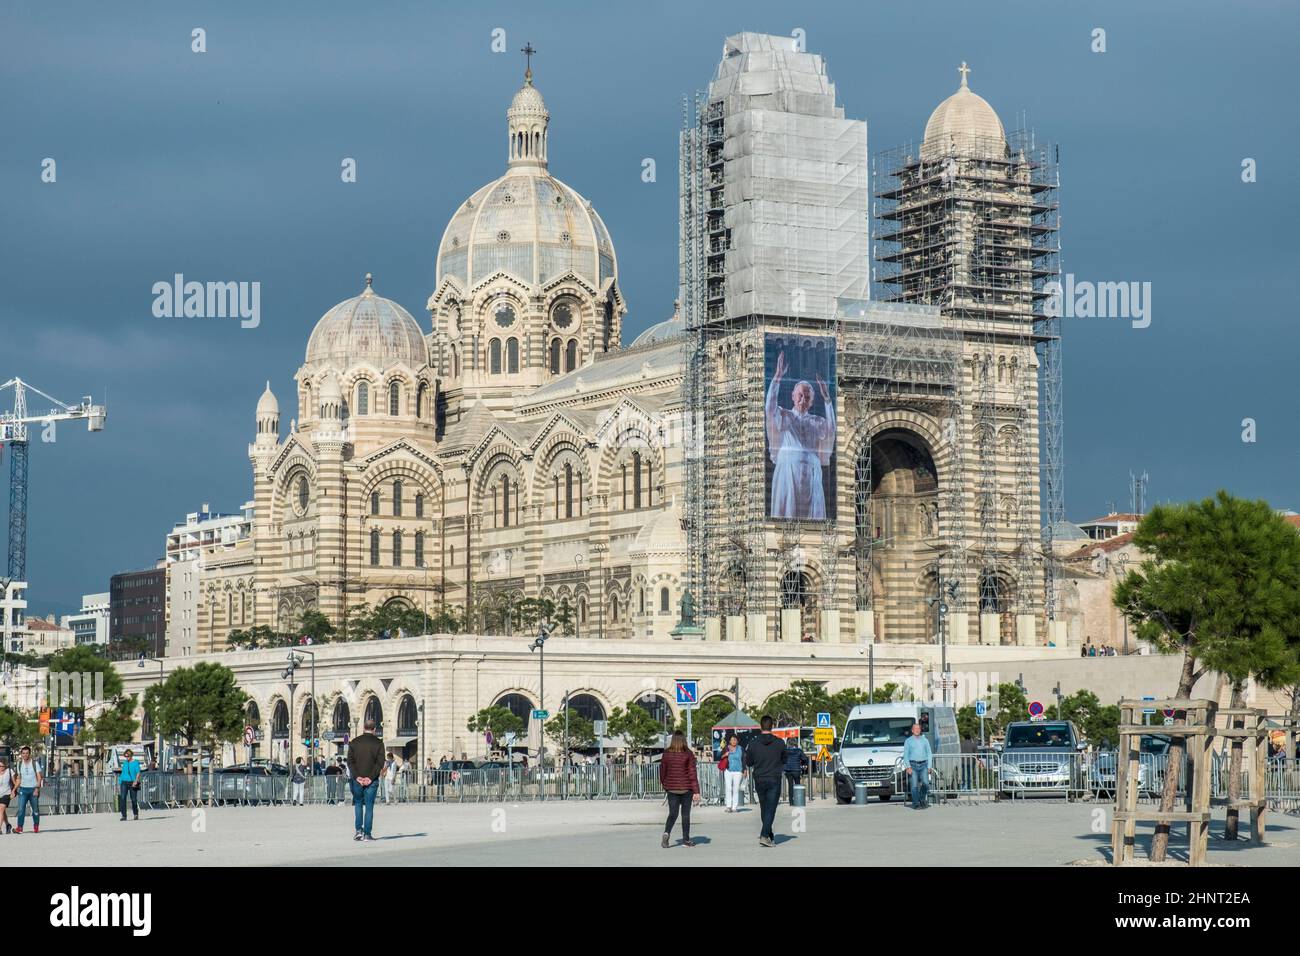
[997, 596]
[797, 592]
[896, 527]
[658, 708]
[587, 707]
[280, 721]
[517, 704]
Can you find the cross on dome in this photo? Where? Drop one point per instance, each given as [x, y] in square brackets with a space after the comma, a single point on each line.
[528, 50]
[963, 70]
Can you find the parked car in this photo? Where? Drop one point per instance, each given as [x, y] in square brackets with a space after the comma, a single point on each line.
[1041, 756]
[1153, 755]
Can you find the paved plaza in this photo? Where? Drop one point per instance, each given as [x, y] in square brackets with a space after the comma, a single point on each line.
[580, 833]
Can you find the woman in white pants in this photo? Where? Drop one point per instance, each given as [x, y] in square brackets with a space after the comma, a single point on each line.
[732, 763]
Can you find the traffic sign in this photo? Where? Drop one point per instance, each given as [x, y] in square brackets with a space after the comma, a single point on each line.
[981, 708]
[824, 736]
[248, 736]
[823, 718]
[541, 714]
[1169, 721]
[823, 754]
[487, 737]
[1169, 712]
[1148, 710]
[687, 692]
[1035, 709]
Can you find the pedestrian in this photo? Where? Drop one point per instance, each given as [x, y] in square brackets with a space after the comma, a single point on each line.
[682, 785]
[365, 764]
[128, 783]
[794, 760]
[765, 757]
[299, 780]
[30, 779]
[969, 757]
[917, 760]
[732, 763]
[6, 794]
[390, 777]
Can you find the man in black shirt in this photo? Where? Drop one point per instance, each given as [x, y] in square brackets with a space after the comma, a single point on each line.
[366, 763]
[765, 758]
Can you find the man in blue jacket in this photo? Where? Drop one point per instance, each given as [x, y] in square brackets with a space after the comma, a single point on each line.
[795, 763]
[917, 760]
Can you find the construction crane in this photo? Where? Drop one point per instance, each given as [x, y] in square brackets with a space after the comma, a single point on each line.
[13, 432]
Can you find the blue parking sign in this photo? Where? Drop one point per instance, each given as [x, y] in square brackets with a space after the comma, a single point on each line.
[981, 708]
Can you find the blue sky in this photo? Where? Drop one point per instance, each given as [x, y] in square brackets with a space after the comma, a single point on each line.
[225, 166]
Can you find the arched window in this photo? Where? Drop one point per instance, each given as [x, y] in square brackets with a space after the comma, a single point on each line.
[494, 357]
[419, 505]
[419, 549]
[280, 721]
[397, 498]
[512, 355]
[397, 549]
[302, 494]
[568, 490]
[363, 398]
[455, 362]
[517, 704]
[641, 600]
[408, 718]
[394, 398]
[555, 356]
[374, 547]
[505, 502]
[636, 479]
[341, 724]
[613, 609]
[571, 355]
[665, 601]
[582, 610]
[374, 502]
[421, 396]
[375, 712]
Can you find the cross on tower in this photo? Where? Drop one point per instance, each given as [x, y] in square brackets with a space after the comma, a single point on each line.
[528, 52]
[963, 70]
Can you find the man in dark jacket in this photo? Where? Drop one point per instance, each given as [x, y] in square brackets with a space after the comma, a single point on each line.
[765, 757]
[366, 763]
[795, 762]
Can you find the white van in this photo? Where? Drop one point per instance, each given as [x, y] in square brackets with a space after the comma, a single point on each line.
[871, 745]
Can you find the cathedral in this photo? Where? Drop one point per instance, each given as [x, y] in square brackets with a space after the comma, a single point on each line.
[509, 442]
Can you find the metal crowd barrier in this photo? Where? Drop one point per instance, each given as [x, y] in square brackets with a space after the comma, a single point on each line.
[1069, 776]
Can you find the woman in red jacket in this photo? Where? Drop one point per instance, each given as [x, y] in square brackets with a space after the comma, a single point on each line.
[681, 783]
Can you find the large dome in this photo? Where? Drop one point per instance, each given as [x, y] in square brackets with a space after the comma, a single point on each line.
[529, 224]
[964, 124]
[367, 329]
[526, 223]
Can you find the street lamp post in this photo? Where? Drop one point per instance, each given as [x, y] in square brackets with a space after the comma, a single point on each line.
[539, 645]
[157, 730]
[578, 561]
[294, 662]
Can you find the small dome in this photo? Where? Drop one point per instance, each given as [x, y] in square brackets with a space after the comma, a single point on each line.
[964, 124]
[662, 534]
[661, 332]
[528, 100]
[267, 405]
[368, 328]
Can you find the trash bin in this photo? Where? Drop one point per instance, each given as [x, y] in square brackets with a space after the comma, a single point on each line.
[799, 796]
[860, 793]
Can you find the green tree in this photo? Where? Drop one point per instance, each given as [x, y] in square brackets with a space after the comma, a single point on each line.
[80, 672]
[1221, 587]
[711, 711]
[891, 692]
[1012, 706]
[968, 723]
[843, 701]
[204, 704]
[564, 617]
[117, 724]
[580, 734]
[17, 729]
[636, 726]
[315, 625]
[799, 704]
[499, 720]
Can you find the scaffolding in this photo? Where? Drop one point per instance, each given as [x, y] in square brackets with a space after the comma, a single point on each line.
[935, 360]
[970, 225]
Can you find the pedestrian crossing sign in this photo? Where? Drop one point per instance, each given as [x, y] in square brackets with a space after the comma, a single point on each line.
[823, 719]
